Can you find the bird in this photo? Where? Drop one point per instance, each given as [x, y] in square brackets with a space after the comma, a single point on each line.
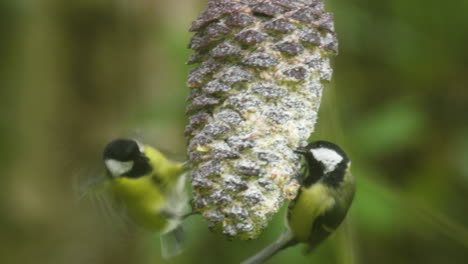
[149, 187]
[323, 200]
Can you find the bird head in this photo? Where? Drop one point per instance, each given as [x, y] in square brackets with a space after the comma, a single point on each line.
[125, 157]
[325, 160]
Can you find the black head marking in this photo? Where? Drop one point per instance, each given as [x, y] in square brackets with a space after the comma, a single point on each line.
[125, 150]
[317, 170]
[122, 150]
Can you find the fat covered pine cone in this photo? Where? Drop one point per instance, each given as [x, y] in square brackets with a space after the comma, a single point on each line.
[254, 99]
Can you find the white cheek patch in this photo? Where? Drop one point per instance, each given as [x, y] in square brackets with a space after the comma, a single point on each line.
[118, 168]
[329, 158]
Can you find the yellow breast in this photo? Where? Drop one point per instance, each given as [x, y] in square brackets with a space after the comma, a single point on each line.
[311, 203]
[142, 200]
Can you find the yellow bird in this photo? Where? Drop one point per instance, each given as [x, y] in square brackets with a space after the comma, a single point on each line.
[322, 202]
[150, 187]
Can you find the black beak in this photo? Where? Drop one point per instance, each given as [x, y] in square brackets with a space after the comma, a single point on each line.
[301, 150]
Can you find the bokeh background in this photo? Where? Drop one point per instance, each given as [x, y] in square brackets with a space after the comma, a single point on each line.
[75, 74]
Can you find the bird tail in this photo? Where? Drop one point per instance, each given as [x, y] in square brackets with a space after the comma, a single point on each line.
[284, 241]
[173, 242]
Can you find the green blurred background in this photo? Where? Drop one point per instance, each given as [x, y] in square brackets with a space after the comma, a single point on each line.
[75, 74]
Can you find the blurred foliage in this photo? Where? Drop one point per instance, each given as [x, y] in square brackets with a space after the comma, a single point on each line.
[75, 74]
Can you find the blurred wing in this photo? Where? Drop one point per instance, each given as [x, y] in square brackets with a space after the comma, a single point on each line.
[87, 181]
[173, 242]
[90, 185]
[178, 198]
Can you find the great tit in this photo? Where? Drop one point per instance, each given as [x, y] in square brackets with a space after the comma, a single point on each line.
[326, 193]
[150, 188]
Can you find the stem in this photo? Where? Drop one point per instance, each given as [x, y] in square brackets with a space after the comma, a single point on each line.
[284, 241]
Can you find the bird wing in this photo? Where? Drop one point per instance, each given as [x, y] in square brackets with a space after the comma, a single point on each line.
[175, 195]
[328, 222]
[324, 225]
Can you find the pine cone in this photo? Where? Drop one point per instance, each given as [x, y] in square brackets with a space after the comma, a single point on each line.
[254, 99]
